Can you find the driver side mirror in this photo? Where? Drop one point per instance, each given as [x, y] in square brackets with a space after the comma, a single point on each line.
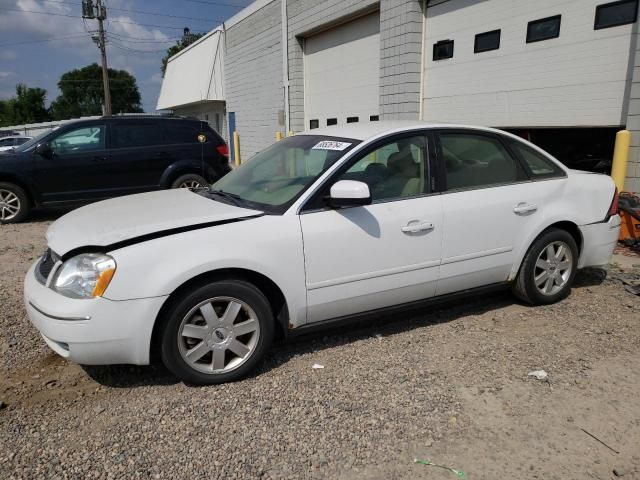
[44, 150]
[349, 193]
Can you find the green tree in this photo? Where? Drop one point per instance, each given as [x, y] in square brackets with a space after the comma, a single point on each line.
[180, 45]
[26, 107]
[83, 95]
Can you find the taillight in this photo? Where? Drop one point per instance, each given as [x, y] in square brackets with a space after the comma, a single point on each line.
[223, 149]
[613, 209]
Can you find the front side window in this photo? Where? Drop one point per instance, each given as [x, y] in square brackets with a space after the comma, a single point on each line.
[538, 164]
[474, 160]
[20, 141]
[398, 169]
[275, 177]
[83, 139]
[543, 29]
[6, 142]
[616, 13]
[129, 135]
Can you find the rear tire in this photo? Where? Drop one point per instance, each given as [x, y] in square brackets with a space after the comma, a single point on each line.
[548, 269]
[14, 203]
[191, 181]
[217, 333]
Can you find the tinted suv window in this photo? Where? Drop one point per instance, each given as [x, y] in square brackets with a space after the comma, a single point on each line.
[398, 169]
[81, 139]
[135, 135]
[538, 164]
[476, 160]
[180, 133]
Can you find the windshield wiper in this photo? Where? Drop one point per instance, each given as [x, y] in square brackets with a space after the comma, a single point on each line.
[236, 199]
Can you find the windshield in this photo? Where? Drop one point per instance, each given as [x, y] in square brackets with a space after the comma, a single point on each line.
[277, 176]
[34, 141]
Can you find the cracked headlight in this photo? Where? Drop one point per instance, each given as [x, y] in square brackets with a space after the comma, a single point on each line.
[84, 276]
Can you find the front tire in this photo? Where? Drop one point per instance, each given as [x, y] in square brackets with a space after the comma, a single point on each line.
[548, 269]
[217, 333]
[14, 203]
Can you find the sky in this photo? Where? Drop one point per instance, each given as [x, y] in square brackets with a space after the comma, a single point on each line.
[42, 39]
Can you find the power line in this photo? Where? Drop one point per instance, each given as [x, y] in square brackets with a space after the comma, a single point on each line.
[68, 37]
[144, 12]
[76, 16]
[142, 39]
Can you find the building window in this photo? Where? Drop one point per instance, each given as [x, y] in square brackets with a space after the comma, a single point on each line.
[616, 13]
[543, 29]
[487, 41]
[442, 50]
[332, 121]
[353, 119]
[374, 118]
[314, 124]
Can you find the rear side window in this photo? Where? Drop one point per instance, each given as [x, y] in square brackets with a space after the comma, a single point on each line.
[180, 133]
[129, 135]
[475, 160]
[538, 164]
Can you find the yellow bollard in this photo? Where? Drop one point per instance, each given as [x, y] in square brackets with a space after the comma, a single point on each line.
[236, 148]
[279, 136]
[290, 133]
[621, 158]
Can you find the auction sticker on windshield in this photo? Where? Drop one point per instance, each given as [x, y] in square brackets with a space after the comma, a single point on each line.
[331, 145]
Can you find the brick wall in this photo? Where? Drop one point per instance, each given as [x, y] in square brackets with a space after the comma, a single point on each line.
[400, 58]
[632, 182]
[253, 77]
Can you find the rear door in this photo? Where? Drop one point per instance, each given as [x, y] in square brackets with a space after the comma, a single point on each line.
[490, 207]
[137, 157]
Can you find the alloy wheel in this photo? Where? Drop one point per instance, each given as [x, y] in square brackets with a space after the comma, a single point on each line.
[190, 184]
[553, 268]
[9, 205]
[218, 335]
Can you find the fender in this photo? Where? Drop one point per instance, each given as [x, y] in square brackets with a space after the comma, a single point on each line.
[179, 167]
[548, 221]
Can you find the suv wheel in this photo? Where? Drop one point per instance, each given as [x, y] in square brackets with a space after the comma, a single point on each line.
[548, 268]
[217, 333]
[190, 181]
[14, 203]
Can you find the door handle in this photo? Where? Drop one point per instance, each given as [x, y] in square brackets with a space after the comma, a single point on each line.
[417, 227]
[100, 158]
[524, 207]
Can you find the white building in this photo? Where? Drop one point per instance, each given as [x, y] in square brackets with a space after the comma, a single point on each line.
[564, 74]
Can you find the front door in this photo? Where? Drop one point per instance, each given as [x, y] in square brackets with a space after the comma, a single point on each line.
[75, 171]
[387, 253]
[490, 208]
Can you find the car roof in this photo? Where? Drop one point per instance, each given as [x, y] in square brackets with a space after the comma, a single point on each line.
[14, 136]
[365, 131]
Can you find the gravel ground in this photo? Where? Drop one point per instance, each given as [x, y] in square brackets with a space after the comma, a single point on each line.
[449, 385]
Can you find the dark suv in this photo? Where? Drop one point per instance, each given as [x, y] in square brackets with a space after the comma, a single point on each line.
[88, 160]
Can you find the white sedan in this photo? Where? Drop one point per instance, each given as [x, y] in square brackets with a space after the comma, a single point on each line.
[319, 228]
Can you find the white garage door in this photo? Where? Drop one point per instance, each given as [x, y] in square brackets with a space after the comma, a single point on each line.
[342, 73]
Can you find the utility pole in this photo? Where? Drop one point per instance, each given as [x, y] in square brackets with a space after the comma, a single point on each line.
[99, 12]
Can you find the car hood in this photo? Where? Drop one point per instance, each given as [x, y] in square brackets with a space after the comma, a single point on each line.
[124, 220]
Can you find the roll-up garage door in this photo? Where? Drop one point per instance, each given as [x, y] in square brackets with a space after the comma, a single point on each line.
[342, 73]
